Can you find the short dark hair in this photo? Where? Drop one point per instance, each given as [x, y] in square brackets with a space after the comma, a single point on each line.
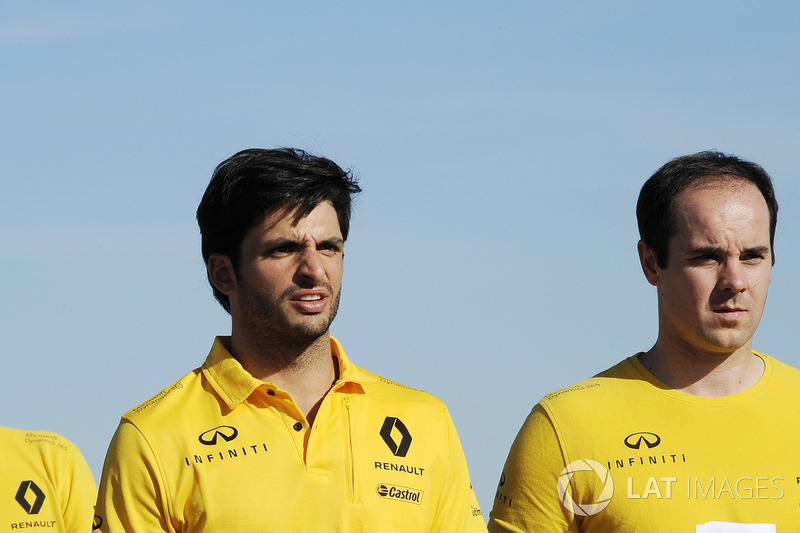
[654, 208]
[251, 185]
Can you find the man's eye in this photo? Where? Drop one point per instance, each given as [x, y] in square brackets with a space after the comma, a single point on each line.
[329, 246]
[280, 250]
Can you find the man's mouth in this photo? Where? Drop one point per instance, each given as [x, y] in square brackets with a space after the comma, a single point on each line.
[310, 302]
[731, 313]
[730, 310]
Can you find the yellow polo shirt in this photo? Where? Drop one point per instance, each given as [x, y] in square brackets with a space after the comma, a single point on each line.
[222, 451]
[46, 484]
[624, 453]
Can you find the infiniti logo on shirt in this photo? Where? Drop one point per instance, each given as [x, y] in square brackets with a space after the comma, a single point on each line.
[212, 436]
[634, 441]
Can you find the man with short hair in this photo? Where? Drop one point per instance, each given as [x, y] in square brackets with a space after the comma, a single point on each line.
[278, 430]
[46, 483]
[699, 433]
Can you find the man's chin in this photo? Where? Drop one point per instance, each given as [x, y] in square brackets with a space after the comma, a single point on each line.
[727, 344]
[309, 331]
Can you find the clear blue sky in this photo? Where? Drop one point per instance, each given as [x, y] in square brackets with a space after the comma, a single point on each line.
[500, 145]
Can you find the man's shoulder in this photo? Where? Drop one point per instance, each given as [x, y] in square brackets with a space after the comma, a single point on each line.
[783, 374]
[171, 399]
[792, 372]
[380, 388]
[12, 436]
[598, 388]
[36, 443]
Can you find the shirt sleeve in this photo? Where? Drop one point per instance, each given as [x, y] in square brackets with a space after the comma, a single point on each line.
[132, 496]
[458, 508]
[527, 496]
[76, 493]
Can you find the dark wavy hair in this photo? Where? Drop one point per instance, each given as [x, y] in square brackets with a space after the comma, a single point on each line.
[251, 185]
[654, 208]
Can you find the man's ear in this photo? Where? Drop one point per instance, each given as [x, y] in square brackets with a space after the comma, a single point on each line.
[649, 262]
[221, 273]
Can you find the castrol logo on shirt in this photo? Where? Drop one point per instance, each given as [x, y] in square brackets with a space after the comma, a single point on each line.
[400, 494]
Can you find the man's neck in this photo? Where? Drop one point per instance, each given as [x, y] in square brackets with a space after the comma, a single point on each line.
[704, 374]
[306, 371]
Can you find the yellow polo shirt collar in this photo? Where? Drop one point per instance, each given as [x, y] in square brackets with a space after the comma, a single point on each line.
[234, 384]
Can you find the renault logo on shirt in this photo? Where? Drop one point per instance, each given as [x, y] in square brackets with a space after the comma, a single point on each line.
[634, 441]
[390, 426]
[24, 493]
[212, 436]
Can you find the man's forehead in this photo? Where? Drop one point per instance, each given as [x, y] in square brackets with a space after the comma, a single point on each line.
[717, 194]
[721, 184]
[289, 217]
[708, 213]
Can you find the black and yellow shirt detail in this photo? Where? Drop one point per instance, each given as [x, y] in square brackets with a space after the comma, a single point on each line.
[222, 451]
[46, 484]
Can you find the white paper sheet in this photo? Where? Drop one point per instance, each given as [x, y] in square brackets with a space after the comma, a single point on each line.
[731, 527]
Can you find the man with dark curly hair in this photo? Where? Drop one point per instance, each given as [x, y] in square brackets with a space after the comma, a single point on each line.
[278, 430]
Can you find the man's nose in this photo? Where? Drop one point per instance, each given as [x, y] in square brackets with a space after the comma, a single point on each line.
[311, 267]
[732, 276]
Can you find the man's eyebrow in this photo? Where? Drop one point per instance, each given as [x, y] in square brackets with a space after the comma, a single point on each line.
[759, 250]
[281, 243]
[704, 250]
[714, 250]
[287, 241]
